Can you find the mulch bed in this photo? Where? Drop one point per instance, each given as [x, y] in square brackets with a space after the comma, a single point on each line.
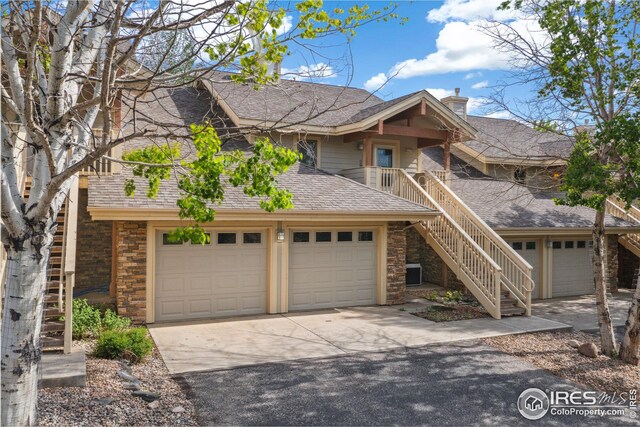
[105, 402]
[550, 351]
[443, 313]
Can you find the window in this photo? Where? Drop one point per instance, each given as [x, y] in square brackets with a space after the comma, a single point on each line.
[384, 157]
[568, 244]
[531, 246]
[517, 246]
[323, 236]
[365, 236]
[345, 236]
[166, 240]
[581, 244]
[250, 238]
[226, 238]
[556, 245]
[520, 175]
[301, 236]
[309, 151]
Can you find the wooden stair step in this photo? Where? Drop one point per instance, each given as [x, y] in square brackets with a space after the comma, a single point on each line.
[53, 326]
[52, 313]
[512, 311]
[52, 342]
[53, 286]
[51, 297]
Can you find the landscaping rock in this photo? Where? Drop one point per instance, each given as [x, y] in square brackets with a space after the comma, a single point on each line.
[147, 396]
[178, 409]
[154, 405]
[573, 343]
[105, 401]
[131, 386]
[588, 349]
[128, 377]
[125, 366]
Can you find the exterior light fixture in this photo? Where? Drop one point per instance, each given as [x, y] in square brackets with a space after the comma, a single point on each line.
[280, 236]
[361, 146]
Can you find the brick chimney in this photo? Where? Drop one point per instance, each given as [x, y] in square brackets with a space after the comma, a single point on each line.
[457, 103]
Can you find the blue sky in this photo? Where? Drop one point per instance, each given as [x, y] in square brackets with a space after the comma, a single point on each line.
[438, 49]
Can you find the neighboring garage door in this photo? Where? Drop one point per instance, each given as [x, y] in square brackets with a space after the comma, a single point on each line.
[332, 268]
[227, 277]
[572, 268]
[529, 250]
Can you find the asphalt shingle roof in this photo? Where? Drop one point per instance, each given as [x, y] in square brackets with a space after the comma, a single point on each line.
[505, 138]
[503, 204]
[291, 102]
[313, 191]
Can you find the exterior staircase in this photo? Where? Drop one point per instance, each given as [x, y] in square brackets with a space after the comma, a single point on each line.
[491, 270]
[616, 207]
[52, 337]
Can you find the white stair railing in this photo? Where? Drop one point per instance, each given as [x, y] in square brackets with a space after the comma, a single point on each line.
[480, 274]
[71, 237]
[516, 272]
[616, 207]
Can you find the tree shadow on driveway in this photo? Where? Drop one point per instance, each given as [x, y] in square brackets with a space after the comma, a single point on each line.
[463, 383]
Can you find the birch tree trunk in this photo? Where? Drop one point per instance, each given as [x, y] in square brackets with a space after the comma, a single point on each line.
[607, 338]
[21, 325]
[630, 348]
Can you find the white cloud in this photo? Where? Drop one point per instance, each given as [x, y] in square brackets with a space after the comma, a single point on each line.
[480, 85]
[287, 23]
[307, 72]
[376, 82]
[470, 10]
[460, 46]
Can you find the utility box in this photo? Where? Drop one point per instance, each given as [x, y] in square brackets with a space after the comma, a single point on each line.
[414, 275]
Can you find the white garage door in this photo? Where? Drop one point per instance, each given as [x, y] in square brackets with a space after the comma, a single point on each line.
[227, 277]
[332, 268]
[529, 250]
[572, 268]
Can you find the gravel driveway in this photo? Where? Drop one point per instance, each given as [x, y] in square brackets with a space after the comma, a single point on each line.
[451, 384]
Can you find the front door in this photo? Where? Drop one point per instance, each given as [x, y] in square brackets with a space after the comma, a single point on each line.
[384, 157]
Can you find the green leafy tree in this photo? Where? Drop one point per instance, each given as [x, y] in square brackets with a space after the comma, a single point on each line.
[588, 66]
[64, 65]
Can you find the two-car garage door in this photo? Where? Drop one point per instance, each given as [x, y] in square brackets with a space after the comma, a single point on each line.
[332, 268]
[572, 271]
[228, 277]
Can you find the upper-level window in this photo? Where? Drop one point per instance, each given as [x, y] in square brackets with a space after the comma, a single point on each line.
[520, 175]
[309, 151]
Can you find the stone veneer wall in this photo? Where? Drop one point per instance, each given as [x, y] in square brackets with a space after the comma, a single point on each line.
[396, 263]
[628, 265]
[131, 273]
[432, 265]
[611, 260]
[94, 247]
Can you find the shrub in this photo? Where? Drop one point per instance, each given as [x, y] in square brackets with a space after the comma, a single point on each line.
[111, 321]
[130, 344]
[453, 296]
[433, 296]
[86, 319]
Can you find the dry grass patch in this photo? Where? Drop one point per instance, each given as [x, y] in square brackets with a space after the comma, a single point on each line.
[550, 351]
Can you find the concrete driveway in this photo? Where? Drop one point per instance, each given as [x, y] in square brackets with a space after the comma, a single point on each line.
[455, 384]
[580, 312]
[232, 343]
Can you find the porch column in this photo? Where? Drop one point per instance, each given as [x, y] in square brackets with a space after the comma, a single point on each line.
[368, 152]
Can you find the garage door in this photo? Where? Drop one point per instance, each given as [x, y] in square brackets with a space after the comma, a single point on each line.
[529, 250]
[332, 268]
[572, 268]
[227, 277]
